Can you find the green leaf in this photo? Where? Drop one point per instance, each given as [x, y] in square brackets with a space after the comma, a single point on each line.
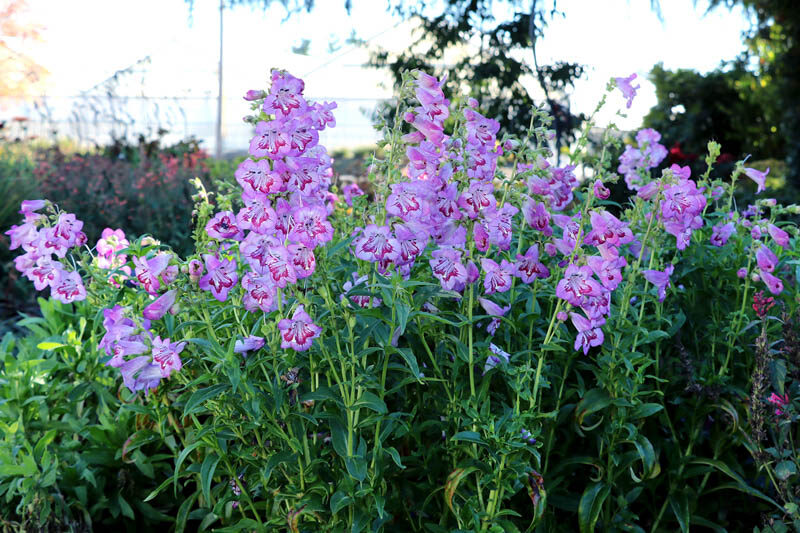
[403, 311]
[371, 401]
[679, 504]
[590, 506]
[594, 400]
[779, 375]
[207, 475]
[785, 469]
[51, 346]
[470, 436]
[199, 397]
[410, 359]
[356, 467]
[125, 507]
[339, 500]
[181, 458]
[644, 410]
[46, 439]
[338, 437]
[395, 456]
[453, 480]
[740, 484]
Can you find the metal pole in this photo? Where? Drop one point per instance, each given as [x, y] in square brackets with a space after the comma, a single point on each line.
[219, 93]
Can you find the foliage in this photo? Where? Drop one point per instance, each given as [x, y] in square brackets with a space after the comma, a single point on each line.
[142, 188]
[445, 392]
[73, 456]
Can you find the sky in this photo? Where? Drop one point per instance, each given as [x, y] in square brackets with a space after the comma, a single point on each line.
[86, 41]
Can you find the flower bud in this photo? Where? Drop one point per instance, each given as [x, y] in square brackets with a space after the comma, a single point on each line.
[755, 277]
[253, 94]
[742, 273]
[562, 316]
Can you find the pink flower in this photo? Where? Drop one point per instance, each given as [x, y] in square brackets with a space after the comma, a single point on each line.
[766, 259]
[774, 284]
[253, 94]
[447, 268]
[600, 190]
[576, 284]
[780, 402]
[299, 331]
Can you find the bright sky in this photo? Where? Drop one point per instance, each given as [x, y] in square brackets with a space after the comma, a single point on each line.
[88, 40]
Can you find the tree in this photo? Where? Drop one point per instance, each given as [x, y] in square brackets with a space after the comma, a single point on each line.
[21, 74]
[773, 50]
[482, 46]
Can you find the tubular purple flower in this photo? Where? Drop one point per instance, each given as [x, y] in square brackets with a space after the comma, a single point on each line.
[494, 310]
[766, 259]
[628, 90]
[248, 344]
[774, 284]
[660, 280]
[298, 332]
[497, 355]
[780, 237]
[758, 177]
[165, 356]
[161, 306]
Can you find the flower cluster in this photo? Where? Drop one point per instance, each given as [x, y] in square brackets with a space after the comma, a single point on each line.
[46, 241]
[636, 162]
[155, 358]
[285, 190]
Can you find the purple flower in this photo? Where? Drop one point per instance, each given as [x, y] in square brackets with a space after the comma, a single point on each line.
[589, 333]
[628, 90]
[660, 280]
[494, 310]
[195, 270]
[528, 267]
[495, 358]
[447, 268]
[257, 179]
[576, 284]
[256, 215]
[537, 216]
[260, 292]
[44, 273]
[477, 198]
[361, 300]
[497, 278]
[349, 191]
[161, 306]
[299, 331]
[302, 260]
[758, 177]
[220, 278]
[148, 271]
[780, 237]
[22, 235]
[253, 94]
[285, 95]
[139, 374]
[248, 344]
[741, 273]
[165, 355]
[600, 190]
[774, 284]
[311, 227]
[67, 287]
[766, 259]
[224, 226]
[608, 270]
[721, 233]
[375, 244]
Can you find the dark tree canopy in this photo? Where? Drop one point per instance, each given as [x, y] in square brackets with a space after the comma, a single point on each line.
[487, 49]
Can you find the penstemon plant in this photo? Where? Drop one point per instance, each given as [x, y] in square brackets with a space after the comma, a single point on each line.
[483, 342]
